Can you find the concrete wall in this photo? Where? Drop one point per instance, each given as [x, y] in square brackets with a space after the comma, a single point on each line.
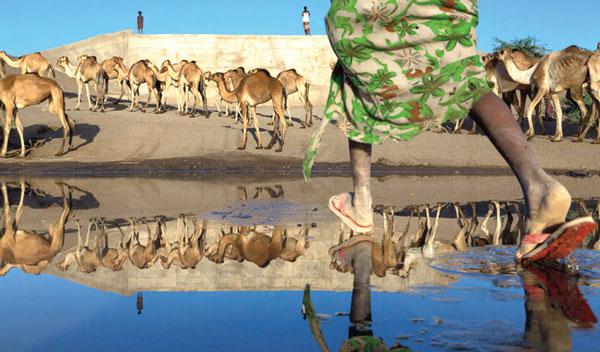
[310, 55]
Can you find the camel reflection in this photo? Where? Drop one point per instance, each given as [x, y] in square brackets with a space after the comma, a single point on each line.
[189, 248]
[90, 258]
[247, 243]
[27, 250]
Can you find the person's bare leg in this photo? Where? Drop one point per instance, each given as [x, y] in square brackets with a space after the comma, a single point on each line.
[360, 158]
[547, 201]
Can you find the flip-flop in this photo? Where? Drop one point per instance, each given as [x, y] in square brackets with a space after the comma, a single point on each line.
[338, 207]
[561, 242]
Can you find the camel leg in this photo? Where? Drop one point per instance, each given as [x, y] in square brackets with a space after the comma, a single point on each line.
[244, 108]
[202, 93]
[133, 88]
[279, 129]
[484, 224]
[196, 95]
[256, 127]
[8, 117]
[591, 119]
[56, 230]
[87, 93]
[530, 133]
[558, 136]
[79, 91]
[20, 131]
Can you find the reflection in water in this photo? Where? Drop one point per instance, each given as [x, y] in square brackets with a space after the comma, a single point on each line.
[27, 250]
[247, 243]
[553, 304]
[139, 303]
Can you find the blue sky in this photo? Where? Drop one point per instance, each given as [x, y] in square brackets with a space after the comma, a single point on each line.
[42, 24]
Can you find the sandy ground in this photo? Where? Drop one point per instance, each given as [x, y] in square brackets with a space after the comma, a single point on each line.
[129, 139]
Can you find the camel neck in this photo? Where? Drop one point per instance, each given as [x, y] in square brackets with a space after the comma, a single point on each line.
[9, 60]
[228, 96]
[519, 76]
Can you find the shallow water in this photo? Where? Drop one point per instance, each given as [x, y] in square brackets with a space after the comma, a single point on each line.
[252, 295]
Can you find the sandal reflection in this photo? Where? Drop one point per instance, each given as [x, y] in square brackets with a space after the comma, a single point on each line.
[553, 306]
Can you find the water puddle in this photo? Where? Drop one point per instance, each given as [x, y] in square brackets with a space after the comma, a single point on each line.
[112, 260]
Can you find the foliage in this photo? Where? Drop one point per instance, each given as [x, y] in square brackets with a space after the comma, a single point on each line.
[571, 111]
[530, 45]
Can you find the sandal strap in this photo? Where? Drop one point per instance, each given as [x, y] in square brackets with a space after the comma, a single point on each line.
[535, 238]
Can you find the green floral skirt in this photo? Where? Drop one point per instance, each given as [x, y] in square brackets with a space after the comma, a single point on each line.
[404, 66]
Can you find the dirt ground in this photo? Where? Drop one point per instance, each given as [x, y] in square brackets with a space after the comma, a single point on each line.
[118, 140]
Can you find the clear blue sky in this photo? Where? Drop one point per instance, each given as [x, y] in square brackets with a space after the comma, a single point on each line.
[43, 24]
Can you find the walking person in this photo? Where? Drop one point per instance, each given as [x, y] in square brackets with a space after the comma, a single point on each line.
[306, 21]
[140, 23]
[398, 74]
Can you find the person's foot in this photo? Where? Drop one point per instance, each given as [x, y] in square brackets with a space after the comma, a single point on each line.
[548, 204]
[355, 211]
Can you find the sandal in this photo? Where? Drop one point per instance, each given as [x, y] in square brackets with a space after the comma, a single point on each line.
[557, 245]
[337, 205]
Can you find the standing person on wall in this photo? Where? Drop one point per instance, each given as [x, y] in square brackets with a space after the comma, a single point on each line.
[140, 23]
[306, 20]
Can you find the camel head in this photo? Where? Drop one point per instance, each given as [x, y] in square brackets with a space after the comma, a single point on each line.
[206, 75]
[216, 77]
[503, 54]
[62, 61]
[165, 63]
[487, 58]
[117, 59]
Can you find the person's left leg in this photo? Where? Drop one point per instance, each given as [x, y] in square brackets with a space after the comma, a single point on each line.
[355, 209]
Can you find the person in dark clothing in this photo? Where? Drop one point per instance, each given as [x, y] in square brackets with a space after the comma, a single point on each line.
[140, 23]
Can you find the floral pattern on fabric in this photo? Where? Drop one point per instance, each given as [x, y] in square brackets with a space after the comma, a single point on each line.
[404, 66]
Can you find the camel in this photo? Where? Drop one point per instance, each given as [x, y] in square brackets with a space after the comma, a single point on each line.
[20, 91]
[139, 255]
[254, 89]
[30, 63]
[594, 88]
[256, 247]
[191, 78]
[27, 250]
[108, 66]
[172, 70]
[138, 74]
[190, 248]
[506, 88]
[89, 259]
[233, 78]
[87, 71]
[556, 72]
[294, 82]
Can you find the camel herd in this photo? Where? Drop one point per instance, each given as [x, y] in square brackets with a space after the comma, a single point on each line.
[516, 77]
[572, 70]
[243, 89]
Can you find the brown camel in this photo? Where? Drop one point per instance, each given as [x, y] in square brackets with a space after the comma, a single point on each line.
[594, 88]
[257, 88]
[87, 71]
[20, 91]
[556, 72]
[232, 80]
[191, 78]
[190, 248]
[109, 66]
[89, 259]
[507, 88]
[27, 250]
[294, 82]
[138, 74]
[30, 63]
[256, 247]
[143, 256]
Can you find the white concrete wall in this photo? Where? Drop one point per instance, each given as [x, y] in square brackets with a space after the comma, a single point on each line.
[311, 56]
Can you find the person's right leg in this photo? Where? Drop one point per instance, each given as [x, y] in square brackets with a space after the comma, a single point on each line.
[547, 201]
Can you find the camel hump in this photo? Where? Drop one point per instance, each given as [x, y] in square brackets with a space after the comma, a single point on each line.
[260, 70]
